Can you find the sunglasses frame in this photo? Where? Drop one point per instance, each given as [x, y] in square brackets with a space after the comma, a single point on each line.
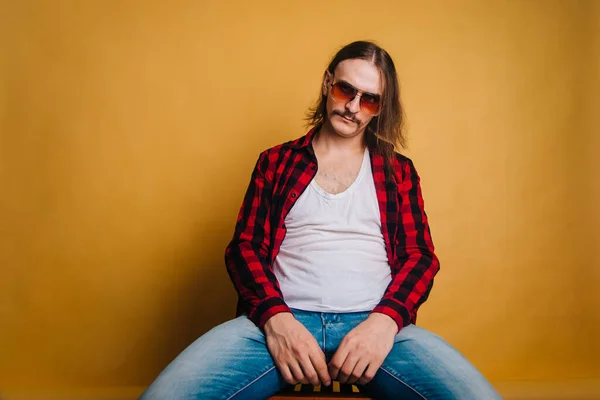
[359, 93]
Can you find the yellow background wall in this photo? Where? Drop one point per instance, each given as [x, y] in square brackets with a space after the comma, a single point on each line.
[128, 131]
[591, 160]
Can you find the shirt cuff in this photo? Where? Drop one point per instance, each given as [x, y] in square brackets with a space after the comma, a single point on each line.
[394, 310]
[266, 309]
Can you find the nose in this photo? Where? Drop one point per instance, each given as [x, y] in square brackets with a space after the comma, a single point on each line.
[354, 105]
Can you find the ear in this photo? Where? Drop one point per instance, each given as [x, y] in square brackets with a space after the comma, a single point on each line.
[327, 77]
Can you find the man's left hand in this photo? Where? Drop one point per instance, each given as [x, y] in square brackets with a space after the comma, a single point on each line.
[363, 350]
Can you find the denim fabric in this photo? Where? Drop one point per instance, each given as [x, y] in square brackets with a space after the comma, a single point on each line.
[232, 362]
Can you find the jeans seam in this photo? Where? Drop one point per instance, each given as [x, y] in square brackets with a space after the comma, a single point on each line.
[250, 383]
[323, 330]
[404, 383]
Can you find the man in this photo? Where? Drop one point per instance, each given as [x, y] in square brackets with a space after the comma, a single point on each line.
[331, 258]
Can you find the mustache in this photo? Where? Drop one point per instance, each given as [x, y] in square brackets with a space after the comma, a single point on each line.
[350, 116]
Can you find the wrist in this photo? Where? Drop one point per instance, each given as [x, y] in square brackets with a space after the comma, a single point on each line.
[385, 321]
[277, 319]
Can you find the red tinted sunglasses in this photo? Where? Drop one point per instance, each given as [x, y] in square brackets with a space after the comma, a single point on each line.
[344, 92]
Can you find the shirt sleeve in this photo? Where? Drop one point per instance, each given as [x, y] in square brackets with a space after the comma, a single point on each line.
[415, 263]
[247, 256]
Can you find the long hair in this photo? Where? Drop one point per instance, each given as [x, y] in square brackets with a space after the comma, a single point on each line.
[385, 131]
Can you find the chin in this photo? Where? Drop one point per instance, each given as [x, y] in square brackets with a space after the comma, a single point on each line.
[344, 129]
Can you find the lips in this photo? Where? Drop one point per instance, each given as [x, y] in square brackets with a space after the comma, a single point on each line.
[347, 119]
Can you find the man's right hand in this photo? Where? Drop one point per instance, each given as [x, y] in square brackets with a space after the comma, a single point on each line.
[295, 351]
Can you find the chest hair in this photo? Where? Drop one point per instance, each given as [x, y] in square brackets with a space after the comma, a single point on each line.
[336, 175]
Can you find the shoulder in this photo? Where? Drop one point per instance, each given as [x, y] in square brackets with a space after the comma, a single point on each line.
[275, 151]
[401, 160]
[404, 168]
[291, 145]
[271, 158]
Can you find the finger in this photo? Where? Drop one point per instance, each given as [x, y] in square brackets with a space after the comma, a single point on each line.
[309, 371]
[369, 374]
[297, 372]
[318, 362]
[347, 368]
[358, 371]
[337, 361]
[284, 370]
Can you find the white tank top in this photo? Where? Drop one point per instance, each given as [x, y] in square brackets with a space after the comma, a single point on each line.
[333, 257]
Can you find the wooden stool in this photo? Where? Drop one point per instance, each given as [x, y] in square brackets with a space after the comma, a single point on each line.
[335, 390]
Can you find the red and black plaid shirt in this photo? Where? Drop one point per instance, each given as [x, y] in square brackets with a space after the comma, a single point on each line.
[281, 174]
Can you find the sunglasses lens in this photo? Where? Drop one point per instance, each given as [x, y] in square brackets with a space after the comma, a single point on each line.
[343, 92]
[370, 104]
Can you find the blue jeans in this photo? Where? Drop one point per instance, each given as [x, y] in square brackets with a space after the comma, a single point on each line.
[232, 362]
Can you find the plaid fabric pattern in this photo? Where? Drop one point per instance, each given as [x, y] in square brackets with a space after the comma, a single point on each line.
[280, 176]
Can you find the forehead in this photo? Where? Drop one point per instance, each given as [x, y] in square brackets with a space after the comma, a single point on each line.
[361, 74]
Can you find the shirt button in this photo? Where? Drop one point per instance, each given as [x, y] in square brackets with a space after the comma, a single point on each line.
[313, 167]
[293, 195]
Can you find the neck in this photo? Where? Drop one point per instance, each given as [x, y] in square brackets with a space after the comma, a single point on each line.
[328, 141]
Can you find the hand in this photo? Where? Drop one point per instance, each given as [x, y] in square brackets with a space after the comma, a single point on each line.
[295, 351]
[363, 350]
